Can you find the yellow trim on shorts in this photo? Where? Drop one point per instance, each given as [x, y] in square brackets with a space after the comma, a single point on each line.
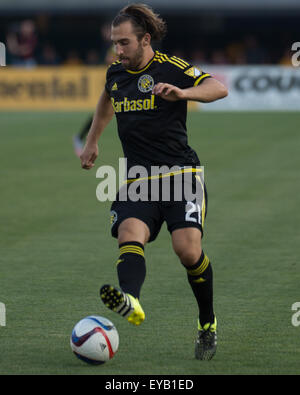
[158, 176]
[203, 201]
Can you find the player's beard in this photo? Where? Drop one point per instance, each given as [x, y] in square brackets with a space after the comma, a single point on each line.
[135, 62]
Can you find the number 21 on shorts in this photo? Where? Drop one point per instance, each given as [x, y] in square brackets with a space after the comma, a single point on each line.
[192, 208]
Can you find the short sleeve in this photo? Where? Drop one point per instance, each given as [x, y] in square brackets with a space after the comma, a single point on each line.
[193, 76]
[183, 74]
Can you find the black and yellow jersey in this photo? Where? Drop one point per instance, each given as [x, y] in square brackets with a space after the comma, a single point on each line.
[153, 130]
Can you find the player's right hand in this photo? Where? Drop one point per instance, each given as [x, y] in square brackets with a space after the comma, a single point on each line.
[88, 156]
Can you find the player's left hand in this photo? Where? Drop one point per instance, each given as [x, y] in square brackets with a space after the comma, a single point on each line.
[89, 155]
[168, 92]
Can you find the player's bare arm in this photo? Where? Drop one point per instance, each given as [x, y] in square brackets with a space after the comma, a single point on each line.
[208, 91]
[103, 114]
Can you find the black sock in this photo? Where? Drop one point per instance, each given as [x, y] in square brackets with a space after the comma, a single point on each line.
[200, 277]
[131, 267]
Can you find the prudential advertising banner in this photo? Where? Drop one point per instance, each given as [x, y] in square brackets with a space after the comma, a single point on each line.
[257, 88]
[251, 88]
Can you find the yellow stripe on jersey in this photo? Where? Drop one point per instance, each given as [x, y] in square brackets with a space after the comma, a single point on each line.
[158, 60]
[182, 64]
[181, 61]
[177, 64]
[165, 57]
[201, 78]
[160, 57]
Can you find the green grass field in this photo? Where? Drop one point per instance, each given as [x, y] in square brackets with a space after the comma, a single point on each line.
[56, 250]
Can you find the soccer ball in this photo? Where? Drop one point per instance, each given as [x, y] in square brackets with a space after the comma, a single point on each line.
[94, 340]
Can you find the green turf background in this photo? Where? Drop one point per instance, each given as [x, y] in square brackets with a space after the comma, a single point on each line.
[56, 250]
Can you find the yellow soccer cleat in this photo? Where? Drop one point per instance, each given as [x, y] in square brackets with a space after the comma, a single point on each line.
[122, 303]
[206, 342]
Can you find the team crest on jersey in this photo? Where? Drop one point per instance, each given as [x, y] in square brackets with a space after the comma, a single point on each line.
[145, 83]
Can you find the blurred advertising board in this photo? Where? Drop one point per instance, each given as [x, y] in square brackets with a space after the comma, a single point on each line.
[51, 88]
[255, 88]
[251, 88]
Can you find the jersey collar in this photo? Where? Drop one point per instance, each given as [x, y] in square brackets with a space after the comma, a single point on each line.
[144, 68]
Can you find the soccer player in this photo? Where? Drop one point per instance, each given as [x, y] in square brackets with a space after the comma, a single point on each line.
[148, 92]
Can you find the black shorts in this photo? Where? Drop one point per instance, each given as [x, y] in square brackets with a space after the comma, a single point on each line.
[154, 205]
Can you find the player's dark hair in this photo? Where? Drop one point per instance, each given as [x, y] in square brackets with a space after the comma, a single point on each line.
[143, 19]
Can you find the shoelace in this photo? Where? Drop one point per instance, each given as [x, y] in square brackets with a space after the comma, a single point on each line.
[206, 336]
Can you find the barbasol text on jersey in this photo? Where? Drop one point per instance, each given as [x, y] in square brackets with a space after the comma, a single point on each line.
[133, 105]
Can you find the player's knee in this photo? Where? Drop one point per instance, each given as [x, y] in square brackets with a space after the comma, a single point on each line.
[188, 255]
[187, 245]
[133, 229]
[129, 234]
